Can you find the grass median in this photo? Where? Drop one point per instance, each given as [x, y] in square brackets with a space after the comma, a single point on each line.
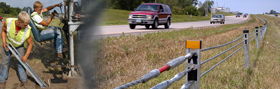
[128, 57]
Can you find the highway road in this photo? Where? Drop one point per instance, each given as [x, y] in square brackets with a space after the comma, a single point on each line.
[117, 30]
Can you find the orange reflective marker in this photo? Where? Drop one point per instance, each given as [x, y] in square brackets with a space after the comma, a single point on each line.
[193, 44]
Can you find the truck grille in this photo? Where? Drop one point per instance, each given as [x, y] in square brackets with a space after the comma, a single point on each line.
[139, 16]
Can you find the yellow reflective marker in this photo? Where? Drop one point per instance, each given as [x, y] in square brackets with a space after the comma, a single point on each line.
[262, 25]
[193, 44]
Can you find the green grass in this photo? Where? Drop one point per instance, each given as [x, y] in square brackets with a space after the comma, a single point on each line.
[119, 17]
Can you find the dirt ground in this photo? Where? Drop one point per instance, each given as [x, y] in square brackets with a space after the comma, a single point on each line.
[40, 60]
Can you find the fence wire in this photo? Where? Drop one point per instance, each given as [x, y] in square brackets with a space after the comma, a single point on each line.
[167, 83]
[156, 72]
[130, 84]
[221, 53]
[187, 86]
[252, 39]
[251, 36]
[252, 33]
[222, 44]
[221, 62]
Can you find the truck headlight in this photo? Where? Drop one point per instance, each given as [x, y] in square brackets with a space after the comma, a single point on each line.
[130, 16]
[149, 16]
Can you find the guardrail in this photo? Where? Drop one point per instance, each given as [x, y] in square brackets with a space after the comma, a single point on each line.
[193, 61]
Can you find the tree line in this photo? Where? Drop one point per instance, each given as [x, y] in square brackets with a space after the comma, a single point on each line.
[7, 9]
[180, 7]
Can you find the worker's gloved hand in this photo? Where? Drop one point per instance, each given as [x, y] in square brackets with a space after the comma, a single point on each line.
[24, 58]
[5, 45]
[58, 5]
[77, 16]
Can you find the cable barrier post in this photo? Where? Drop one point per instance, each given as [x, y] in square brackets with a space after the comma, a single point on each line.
[246, 49]
[261, 32]
[193, 77]
[257, 37]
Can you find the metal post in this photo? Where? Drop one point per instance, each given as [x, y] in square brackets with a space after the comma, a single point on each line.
[257, 37]
[194, 75]
[261, 30]
[206, 11]
[71, 39]
[246, 49]
[198, 68]
[26, 65]
[187, 51]
[265, 28]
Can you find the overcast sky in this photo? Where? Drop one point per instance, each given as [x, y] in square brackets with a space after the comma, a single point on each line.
[249, 6]
[245, 6]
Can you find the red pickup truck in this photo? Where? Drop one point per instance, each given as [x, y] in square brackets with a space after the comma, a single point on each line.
[150, 14]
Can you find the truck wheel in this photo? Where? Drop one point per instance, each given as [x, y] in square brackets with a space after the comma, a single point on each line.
[155, 25]
[132, 26]
[147, 26]
[167, 24]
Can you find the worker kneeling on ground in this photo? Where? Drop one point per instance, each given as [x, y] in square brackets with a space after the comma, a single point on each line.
[55, 32]
[15, 31]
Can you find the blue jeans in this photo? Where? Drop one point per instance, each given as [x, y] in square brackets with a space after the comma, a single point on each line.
[6, 56]
[58, 37]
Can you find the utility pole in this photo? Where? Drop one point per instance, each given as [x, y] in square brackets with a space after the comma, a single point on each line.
[206, 9]
[155, 1]
[224, 6]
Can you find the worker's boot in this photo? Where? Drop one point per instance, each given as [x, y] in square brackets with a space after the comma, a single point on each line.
[59, 55]
[2, 85]
[26, 85]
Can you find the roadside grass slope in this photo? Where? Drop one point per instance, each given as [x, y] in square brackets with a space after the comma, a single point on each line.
[127, 58]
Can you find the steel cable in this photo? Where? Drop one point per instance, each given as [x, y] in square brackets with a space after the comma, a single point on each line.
[130, 84]
[221, 53]
[251, 36]
[222, 44]
[252, 33]
[167, 83]
[220, 62]
[186, 86]
[252, 39]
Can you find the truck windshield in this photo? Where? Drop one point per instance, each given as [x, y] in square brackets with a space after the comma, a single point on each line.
[147, 8]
